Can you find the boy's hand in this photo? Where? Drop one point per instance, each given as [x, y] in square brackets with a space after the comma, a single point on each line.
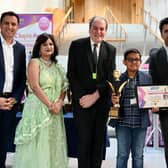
[115, 99]
[155, 109]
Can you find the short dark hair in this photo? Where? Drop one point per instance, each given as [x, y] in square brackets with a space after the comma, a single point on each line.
[131, 50]
[97, 17]
[162, 23]
[9, 13]
[42, 38]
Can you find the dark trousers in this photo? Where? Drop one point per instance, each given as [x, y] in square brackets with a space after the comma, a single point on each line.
[7, 119]
[164, 127]
[91, 128]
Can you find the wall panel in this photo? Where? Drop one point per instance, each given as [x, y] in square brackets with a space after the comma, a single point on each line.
[127, 11]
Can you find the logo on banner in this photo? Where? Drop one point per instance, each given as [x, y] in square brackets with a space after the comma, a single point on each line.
[44, 23]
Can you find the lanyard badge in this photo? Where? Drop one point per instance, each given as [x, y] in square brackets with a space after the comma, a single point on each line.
[94, 75]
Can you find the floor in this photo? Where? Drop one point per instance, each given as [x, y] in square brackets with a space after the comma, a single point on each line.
[153, 158]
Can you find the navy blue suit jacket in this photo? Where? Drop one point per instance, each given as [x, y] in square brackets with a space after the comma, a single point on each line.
[19, 73]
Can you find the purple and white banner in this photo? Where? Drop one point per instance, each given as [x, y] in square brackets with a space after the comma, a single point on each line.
[31, 25]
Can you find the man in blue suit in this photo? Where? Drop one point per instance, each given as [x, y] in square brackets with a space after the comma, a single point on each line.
[12, 77]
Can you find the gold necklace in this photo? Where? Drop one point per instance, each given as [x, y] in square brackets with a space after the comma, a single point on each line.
[46, 62]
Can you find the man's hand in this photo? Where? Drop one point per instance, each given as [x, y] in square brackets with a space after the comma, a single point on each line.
[7, 103]
[88, 100]
[12, 100]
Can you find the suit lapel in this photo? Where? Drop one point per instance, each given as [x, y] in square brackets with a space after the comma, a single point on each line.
[1, 56]
[89, 54]
[102, 57]
[102, 53]
[2, 68]
[15, 57]
[164, 54]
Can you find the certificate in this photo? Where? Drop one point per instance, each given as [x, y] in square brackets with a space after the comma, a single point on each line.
[152, 96]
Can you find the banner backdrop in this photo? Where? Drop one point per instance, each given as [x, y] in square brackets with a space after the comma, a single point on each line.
[31, 25]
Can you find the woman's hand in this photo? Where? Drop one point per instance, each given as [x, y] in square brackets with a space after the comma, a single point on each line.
[56, 107]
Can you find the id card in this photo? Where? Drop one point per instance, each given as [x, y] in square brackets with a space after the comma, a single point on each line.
[133, 101]
[94, 75]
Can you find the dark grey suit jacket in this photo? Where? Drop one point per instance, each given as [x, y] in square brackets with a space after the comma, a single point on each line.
[158, 67]
[80, 68]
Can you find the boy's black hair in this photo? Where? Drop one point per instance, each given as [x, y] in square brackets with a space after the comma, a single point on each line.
[131, 50]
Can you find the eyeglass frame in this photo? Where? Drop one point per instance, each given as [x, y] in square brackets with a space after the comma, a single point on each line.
[133, 60]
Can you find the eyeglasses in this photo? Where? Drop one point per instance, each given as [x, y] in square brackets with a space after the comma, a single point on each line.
[133, 60]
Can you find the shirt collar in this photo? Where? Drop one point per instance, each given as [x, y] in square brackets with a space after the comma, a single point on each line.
[136, 75]
[4, 41]
[92, 43]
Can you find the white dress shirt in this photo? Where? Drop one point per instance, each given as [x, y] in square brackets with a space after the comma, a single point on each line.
[97, 48]
[8, 54]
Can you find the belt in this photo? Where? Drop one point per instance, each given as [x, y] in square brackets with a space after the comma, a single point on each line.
[6, 94]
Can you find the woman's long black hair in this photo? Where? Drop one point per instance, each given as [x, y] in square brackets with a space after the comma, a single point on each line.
[42, 38]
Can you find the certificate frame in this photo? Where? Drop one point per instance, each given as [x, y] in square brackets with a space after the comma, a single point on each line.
[149, 96]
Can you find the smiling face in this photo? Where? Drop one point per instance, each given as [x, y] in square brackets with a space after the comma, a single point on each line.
[164, 33]
[47, 49]
[98, 30]
[9, 27]
[132, 62]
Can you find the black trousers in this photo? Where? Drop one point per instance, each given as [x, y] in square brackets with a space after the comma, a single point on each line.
[7, 121]
[163, 115]
[91, 129]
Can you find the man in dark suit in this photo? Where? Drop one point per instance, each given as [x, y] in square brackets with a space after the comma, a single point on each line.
[158, 69]
[91, 63]
[12, 78]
